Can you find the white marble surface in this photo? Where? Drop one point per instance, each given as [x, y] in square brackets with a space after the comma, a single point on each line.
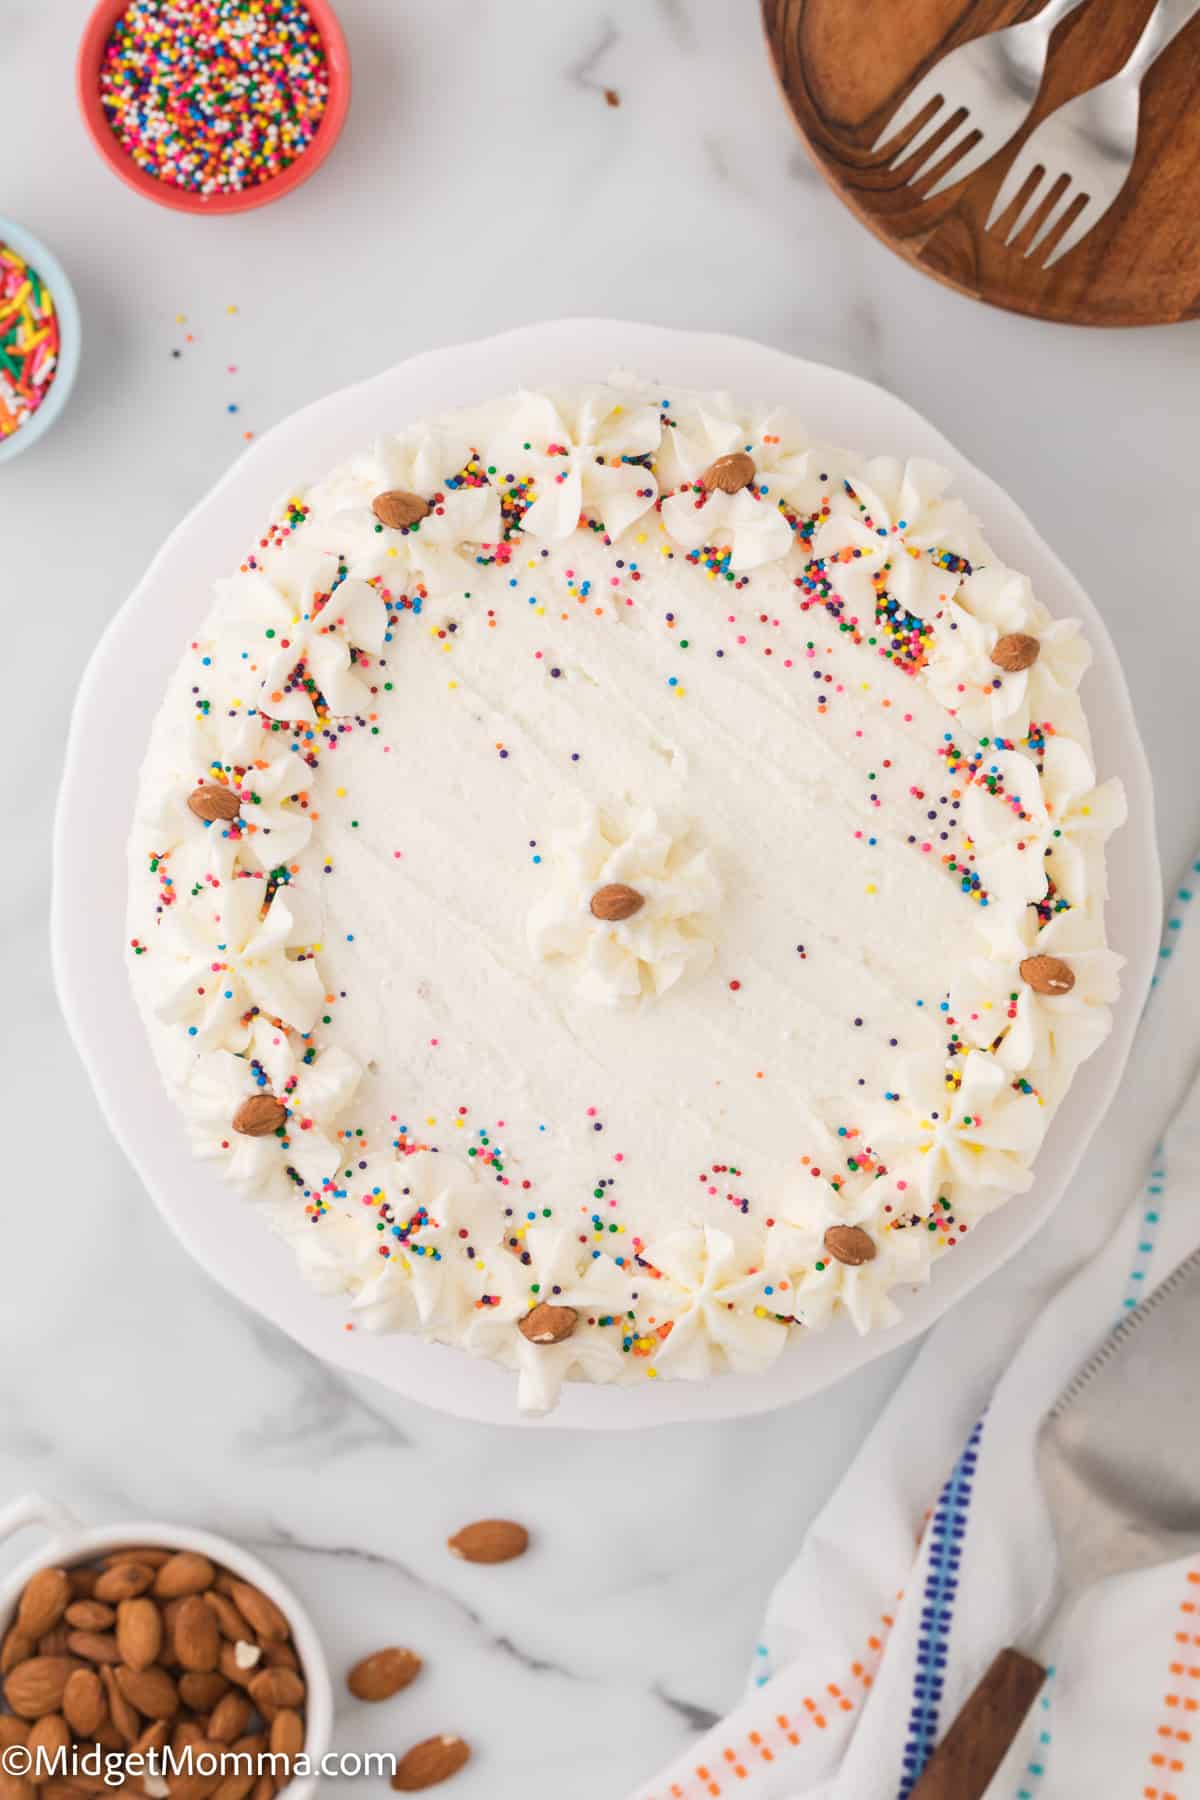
[482, 181]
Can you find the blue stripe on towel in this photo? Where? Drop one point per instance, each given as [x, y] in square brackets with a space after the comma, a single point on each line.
[947, 1530]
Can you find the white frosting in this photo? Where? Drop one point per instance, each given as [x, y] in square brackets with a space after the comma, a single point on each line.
[774, 714]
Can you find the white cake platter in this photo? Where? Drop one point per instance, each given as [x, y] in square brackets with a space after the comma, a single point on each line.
[120, 694]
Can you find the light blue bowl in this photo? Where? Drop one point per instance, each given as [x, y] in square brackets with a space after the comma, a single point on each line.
[70, 336]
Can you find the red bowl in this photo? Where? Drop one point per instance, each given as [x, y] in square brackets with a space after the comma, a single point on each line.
[96, 34]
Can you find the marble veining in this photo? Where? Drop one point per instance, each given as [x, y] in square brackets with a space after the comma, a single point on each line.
[483, 181]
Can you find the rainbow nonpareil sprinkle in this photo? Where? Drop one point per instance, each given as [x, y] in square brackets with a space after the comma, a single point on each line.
[214, 96]
[28, 341]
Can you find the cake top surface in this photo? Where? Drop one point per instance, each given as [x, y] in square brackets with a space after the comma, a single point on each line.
[620, 883]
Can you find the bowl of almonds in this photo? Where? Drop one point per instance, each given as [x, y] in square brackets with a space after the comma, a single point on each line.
[166, 1661]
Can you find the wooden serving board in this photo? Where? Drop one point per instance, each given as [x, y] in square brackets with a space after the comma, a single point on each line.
[845, 65]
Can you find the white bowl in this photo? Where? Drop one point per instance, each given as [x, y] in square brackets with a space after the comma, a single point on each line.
[71, 1543]
[143, 645]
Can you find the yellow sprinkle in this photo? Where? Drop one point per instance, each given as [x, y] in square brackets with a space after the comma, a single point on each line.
[452, 684]
[340, 792]
[652, 1374]
[870, 888]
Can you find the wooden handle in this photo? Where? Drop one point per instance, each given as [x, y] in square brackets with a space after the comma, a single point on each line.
[975, 1745]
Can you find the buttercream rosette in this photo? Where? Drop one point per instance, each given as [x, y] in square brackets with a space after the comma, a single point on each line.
[426, 1209]
[1042, 1035]
[312, 640]
[804, 1280]
[991, 604]
[756, 524]
[313, 1092]
[222, 961]
[1082, 815]
[670, 935]
[697, 1296]
[583, 454]
[891, 526]
[442, 468]
[551, 1267]
[959, 1130]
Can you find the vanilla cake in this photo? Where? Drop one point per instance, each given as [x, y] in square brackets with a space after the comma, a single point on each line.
[619, 883]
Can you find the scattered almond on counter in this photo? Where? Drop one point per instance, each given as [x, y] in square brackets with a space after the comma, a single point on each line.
[384, 1673]
[490, 1541]
[427, 1764]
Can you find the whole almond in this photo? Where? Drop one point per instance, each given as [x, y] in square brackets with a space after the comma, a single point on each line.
[187, 1572]
[139, 1632]
[850, 1244]
[426, 1764]
[280, 1656]
[546, 1324]
[17, 1648]
[616, 902]
[233, 1625]
[490, 1541]
[123, 1581]
[1015, 652]
[83, 1703]
[109, 1738]
[125, 1719]
[214, 801]
[202, 1692]
[149, 1558]
[239, 1784]
[151, 1741]
[56, 1642]
[1048, 974]
[49, 1735]
[264, 1616]
[287, 1733]
[196, 1636]
[259, 1115]
[278, 1689]
[13, 1731]
[198, 1785]
[398, 509]
[236, 1786]
[45, 1599]
[729, 474]
[383, 1673]
[91, 1615]
[170, 1614]
[15, 1787]
[151, 1690]
[94, 1646]
[230, 1717]
[36, 1687]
